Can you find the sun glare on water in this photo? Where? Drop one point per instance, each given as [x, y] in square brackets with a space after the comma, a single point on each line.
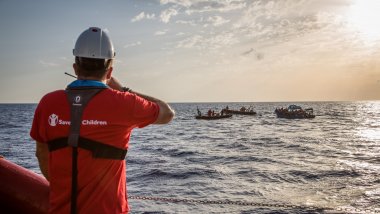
[364, 18]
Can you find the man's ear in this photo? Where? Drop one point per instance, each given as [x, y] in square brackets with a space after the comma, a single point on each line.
[109, 72]
[75, 67]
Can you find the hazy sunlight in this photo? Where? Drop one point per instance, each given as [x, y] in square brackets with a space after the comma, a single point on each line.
[364, 16]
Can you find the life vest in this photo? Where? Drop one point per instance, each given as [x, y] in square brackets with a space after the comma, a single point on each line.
[78, 98]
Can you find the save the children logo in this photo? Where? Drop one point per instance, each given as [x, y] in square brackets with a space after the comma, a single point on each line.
[53, 119]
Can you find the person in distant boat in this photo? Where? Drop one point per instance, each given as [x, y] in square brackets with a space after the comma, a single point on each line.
[209, 113]
[82, 133]
[199, 112]
[243, 109]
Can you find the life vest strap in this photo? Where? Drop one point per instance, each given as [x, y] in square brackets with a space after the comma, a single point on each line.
[99, 150]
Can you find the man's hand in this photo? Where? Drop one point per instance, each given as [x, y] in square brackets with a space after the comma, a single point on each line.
[114, 84]
[166, 113]
[42, 154]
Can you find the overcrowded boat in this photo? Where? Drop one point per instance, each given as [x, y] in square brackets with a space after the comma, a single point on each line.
[294, 112]
[242, 111]
[212, 115]
[215, 117]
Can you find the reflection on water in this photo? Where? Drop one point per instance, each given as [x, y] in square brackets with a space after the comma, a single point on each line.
[370, 134]
[369, 121]
[331, 161]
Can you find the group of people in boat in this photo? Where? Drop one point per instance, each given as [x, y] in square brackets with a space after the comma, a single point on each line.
[242, 109]
[294, 112]
[224, 111]
[211, 113]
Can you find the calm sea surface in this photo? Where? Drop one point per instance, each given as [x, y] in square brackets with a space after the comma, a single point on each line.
[322, 165]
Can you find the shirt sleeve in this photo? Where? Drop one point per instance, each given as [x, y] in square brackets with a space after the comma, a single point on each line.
[35, 130]
[145, 112]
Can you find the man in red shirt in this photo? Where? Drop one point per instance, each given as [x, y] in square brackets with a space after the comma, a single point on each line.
[82, 133]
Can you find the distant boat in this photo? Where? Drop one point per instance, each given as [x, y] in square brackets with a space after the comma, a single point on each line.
[294, 112]
[242, 111]
[215, 117]
[228, 111]
[211, 115]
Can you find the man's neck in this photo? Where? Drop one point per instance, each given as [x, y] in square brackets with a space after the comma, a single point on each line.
[92, 78]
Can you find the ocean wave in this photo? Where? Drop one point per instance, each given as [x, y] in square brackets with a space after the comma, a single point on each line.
[323, 174]
[327, 160]
[161, 174]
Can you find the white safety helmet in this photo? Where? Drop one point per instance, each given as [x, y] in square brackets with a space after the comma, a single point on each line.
[94, 43]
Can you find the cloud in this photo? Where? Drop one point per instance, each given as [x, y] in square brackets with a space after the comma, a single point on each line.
[210, 42]
[191, 22]
[142, 16]
[203, 6]
[259, 20]
[217, 20]
[259, 56]
[64, 58]
[277, 20]
[190, 42]
[139, 17]
[132, 44]
[222, 40]
[166, 15]
[161, 32]
[251, 51]
[215, 6]
[248, 52]
[48, 64]
[185, 3]
[256, 23]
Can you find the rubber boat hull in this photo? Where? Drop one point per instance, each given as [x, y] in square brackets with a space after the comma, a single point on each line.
[295, 116]
[21, 190]
[240, 112]
[205, 117]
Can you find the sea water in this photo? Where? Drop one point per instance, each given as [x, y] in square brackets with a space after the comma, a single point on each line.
[323, 165]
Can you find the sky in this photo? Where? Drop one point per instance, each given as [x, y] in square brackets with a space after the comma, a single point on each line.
[200, 50]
